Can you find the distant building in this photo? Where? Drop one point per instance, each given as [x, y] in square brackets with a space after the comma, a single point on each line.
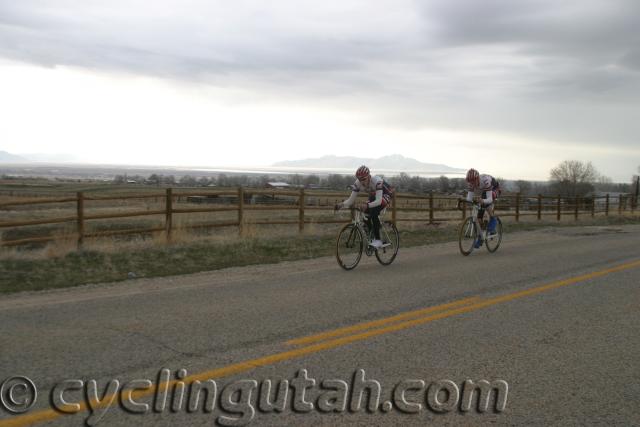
[315, 187]
[277, 185]
[600, 197]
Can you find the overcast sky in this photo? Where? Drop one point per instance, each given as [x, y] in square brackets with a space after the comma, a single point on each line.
[509, 87]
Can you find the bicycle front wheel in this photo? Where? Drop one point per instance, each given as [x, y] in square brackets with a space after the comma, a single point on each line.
[391, 243]
[493, 242]
[349, 246]
[467, 236]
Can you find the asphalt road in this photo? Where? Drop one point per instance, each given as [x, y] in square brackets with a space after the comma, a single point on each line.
[550, 321]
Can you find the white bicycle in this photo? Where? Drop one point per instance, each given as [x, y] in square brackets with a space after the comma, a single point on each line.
[356, 237]
[472, 227]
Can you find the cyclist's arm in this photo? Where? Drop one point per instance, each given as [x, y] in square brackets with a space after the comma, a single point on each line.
[469, 196]
[489, 198]
[377, 201]
[347, 203]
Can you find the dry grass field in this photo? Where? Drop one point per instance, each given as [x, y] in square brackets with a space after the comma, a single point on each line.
[118, 248]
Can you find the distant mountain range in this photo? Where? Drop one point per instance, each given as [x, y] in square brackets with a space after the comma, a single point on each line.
[387, 165]
[395, 162]
[6, 157]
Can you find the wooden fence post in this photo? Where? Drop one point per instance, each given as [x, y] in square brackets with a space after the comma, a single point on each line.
[168, 216]
[394, 214]
[301, 202]
[606, 206]
[539, 207]
[80, 209]
[558, 215]
[241, 210]
[576, 208]
[517, 207]
[431, 208]
[619, 204]
[593, 206]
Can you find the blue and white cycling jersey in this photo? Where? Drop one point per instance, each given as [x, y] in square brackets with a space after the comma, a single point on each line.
[486, 188]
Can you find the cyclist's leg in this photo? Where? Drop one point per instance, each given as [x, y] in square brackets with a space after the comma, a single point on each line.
[491, 227]
[368, 220]
[374, 214]
[481, 210]
[480, 220]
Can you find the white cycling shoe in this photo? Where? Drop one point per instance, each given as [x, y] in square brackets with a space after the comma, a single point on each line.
[377, 243]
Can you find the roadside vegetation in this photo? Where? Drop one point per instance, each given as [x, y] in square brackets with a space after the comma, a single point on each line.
[148, 254]
[60, 265]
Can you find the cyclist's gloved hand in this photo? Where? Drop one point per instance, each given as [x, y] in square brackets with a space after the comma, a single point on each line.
[337, 207]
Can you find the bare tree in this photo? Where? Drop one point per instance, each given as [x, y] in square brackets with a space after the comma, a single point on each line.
[574, 178]
[605, 184]
[339, 182]
[204, 181]
[154, 179]
[402, 182]
[524, 187]
[443, 184]
[295, 179]
[604, 180]
[575, 171]
[187, 181]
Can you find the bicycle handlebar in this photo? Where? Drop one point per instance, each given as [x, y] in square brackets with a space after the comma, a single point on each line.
[466, 202]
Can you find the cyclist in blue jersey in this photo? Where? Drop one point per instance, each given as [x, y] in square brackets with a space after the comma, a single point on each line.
[489, 188]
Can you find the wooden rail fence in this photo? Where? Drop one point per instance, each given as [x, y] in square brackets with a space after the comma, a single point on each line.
[433, 206]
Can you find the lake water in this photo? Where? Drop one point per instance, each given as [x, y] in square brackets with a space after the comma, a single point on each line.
[262, 170]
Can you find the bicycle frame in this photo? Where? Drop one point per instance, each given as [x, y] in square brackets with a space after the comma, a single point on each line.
[360, 238]
[359, 219]
[475, 219]
[478, 229]
[482, 232]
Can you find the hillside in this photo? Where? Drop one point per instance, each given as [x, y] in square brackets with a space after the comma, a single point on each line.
[6, 157]
[393, 162]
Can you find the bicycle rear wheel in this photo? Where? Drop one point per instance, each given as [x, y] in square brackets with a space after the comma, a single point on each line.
[391, 243]
[493, 242]
[349, 246]
[467, 236]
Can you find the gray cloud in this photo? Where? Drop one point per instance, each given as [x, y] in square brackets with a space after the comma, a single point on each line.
[558, 70]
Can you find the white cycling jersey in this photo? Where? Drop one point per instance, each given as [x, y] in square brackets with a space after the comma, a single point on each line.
[374, 189]
[486, 187]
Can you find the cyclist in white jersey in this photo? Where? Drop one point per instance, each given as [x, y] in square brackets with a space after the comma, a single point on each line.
[489, 188]
[379, 198]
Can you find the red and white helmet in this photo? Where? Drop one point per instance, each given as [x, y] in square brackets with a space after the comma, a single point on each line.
[473, 176]
[362, 172]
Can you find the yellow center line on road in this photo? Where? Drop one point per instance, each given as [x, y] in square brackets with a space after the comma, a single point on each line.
[381, 322]
[50, 414]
